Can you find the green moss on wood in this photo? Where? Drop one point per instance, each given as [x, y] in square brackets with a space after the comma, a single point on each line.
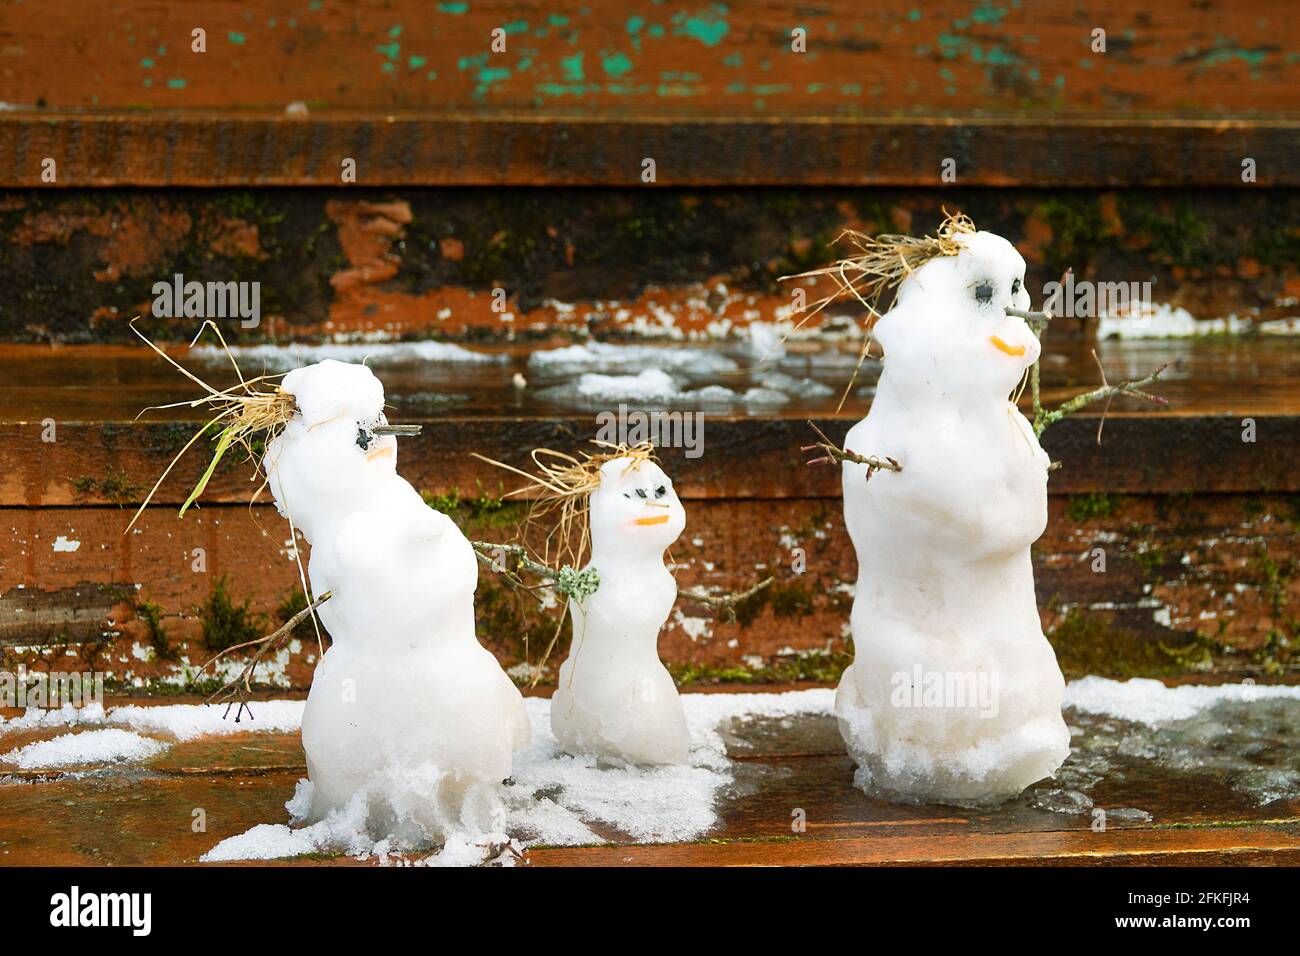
[225, 623]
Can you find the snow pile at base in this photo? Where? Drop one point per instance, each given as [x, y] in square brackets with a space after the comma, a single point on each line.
[295, 355]
[557, 799]
[88, 747]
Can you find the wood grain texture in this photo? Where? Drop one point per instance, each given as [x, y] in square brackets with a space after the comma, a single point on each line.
[677, 58]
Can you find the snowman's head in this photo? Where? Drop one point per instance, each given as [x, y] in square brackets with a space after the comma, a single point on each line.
[949, 328]
[635, 509]
[327, 457]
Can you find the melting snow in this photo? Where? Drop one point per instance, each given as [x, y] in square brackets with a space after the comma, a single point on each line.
[1146, 701]
[88, 747]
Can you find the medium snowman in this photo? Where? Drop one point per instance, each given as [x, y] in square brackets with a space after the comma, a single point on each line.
[954, 695]
[407, 711]
[614, 698]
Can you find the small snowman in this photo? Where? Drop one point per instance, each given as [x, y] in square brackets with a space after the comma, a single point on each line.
[407, 711]
[614, 697]
[954, 695]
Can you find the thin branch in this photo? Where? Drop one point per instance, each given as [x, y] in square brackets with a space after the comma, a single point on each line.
[835, 454]
[1039, 318]
[727, 602]
[1105, 392]
[237, 690]
[572, 582]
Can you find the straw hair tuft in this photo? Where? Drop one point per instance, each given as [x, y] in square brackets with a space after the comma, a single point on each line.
[242, 413]
[879, 266]
[563, 485]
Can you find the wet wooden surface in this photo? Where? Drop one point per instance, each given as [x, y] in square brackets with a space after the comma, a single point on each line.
[144, 815]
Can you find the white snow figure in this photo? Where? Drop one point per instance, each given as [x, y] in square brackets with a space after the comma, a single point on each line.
[614, 698]
[407, 711]
[954, 695]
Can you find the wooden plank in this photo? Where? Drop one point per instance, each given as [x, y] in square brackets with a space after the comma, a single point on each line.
[1279, 845]
[1207, 576]
[116, 463]
[947, 56]
[218, 149]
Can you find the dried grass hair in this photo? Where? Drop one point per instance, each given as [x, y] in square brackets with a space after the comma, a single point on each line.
[242, 414]
[879, 266]
[562, 487]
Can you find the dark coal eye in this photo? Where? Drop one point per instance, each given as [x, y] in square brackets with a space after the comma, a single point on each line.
[984, 293]
[1015, 286]
[661, 491]
[364, 438]
[641, 492]
[626, 495]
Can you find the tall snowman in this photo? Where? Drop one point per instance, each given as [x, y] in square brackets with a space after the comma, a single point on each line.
[407, 711]
[954, 695]
[614, 698]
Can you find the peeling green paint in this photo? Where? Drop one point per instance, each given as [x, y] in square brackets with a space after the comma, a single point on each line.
[235, 37]
[572, 68]
[455, 9]
[987, 13]
[708, 28]
[616, 65]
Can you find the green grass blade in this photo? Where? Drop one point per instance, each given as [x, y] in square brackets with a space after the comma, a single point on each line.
[222, 444]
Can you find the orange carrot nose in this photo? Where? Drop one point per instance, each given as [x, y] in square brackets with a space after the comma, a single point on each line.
[657, 519]
[1003, 347]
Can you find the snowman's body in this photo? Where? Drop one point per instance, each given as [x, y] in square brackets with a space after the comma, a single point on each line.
[614, 698]
[406, 707]
[954, 694]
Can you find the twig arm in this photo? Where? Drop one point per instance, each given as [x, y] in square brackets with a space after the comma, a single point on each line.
[1105, 392]
[237, 690]
[569, 581]
[727, 602]
[835, 454]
